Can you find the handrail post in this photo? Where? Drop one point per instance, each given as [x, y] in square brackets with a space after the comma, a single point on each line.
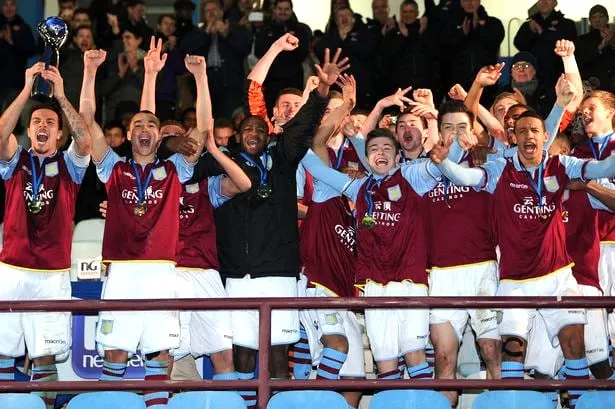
[264, 347]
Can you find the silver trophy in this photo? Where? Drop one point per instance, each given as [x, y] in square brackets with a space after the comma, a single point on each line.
[54, 32]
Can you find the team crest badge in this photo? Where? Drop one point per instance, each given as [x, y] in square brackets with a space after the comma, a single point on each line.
[159, 173]
[332, 319]
[551, 184]
[394, 193]
[106, 327]
[51, 169]
[192, 188]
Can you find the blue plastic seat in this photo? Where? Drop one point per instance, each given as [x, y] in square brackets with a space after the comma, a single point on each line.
[512, 400]
[597, 400]
[21, 401]
[307, 400]
[409, 399]
[107, 400]
[207, 399]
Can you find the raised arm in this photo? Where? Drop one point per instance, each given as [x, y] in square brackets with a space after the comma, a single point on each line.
[332, 123]
[195, 64]
[601, 193]
[396, 99]
[153, 63]
[79, 130]
[9, 118]
[486, 77]
[237, 181]
[287, 42]
[565, 49]
[457, 174]
[566, 92]
[87, 102]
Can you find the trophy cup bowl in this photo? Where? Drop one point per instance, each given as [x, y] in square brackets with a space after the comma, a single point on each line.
[54, 32]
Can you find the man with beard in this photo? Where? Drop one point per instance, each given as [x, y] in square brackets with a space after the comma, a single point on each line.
[254, 267]
[41, 191]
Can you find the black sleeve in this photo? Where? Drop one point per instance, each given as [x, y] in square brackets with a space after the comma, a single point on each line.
[206, 166]
[525, 38]
[299, 131]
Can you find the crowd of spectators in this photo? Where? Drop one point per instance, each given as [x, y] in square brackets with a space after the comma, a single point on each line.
[442, 45]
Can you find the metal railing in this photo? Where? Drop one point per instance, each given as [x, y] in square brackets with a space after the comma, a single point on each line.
[264, 385]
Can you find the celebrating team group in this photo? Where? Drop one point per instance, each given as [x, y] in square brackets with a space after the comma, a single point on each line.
[460, 201]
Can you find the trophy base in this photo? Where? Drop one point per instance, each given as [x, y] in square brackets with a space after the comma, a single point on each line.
[42, 98]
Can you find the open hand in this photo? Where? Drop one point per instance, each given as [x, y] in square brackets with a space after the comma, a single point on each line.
[154, 61]
[331, 69]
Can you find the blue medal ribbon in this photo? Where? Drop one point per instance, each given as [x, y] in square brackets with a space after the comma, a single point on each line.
[142, 187]
[598, 155]
[262, 170]
[340, 154]
[537, 186]
[369, 185]
[37, 180]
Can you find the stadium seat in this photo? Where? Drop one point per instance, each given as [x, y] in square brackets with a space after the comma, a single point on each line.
[307, 400]
[107, 400]
[409, 399]
[21, 401]
[207, 399]
[512, 400]
[596, 400]
[87, 243]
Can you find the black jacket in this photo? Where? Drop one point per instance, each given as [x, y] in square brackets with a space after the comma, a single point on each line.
[360, 48]
[594, 62]
[555, 27]
[13, 57]
[469, 53]
[259, 236]
[287, 69]
[409, 60]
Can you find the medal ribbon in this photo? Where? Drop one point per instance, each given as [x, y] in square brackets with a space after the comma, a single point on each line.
[262, 170]
[340, 154]
[598, 155]
[142, 187]
[369, 185]
[37, 180]
[537, 186]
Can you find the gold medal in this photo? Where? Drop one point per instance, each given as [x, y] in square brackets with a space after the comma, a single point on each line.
[368, 221]
[264, 190]
[35, 206]
[140, 210]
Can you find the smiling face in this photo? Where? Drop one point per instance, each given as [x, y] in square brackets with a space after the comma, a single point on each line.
[454, 124]
[144, 134]
[44, 131]
[531, 137]
[382, 155]
[598, 115]
[282, 12]
[253, 134]
[523, 71]
[545, 7]
[408, 13]
[130, 41]
[409, 132]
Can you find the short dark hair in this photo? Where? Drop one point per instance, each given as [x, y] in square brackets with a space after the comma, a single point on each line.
[132, 3]
[186, 112]
[288, 91]
[276, 2]
[163, 16]
[174, 123]
[216, 2]
[115, 124]
[144, 111]
[84, 27]
[82, 10]
[531, 114]
[409, 112]
[453, 107]
[409, 3]
[380, 133]
[250, 117]
[137, 32]
[223, 123]
[52, 105]
[360, 111]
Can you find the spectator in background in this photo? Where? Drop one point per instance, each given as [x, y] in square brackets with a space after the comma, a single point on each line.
[224, 45]
[359, 45]
[16, 46]
[335, 5]
[380, 25]
[71, 66]
[81, 17]
[596, 50]
[184, 9]
[409, 53]
[166, 89]
[287, 70]
[474, 39]
[538, 36]
[135, 20]
[124, 80]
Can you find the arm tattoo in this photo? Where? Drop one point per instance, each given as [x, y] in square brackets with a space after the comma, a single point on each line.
[75, 121]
